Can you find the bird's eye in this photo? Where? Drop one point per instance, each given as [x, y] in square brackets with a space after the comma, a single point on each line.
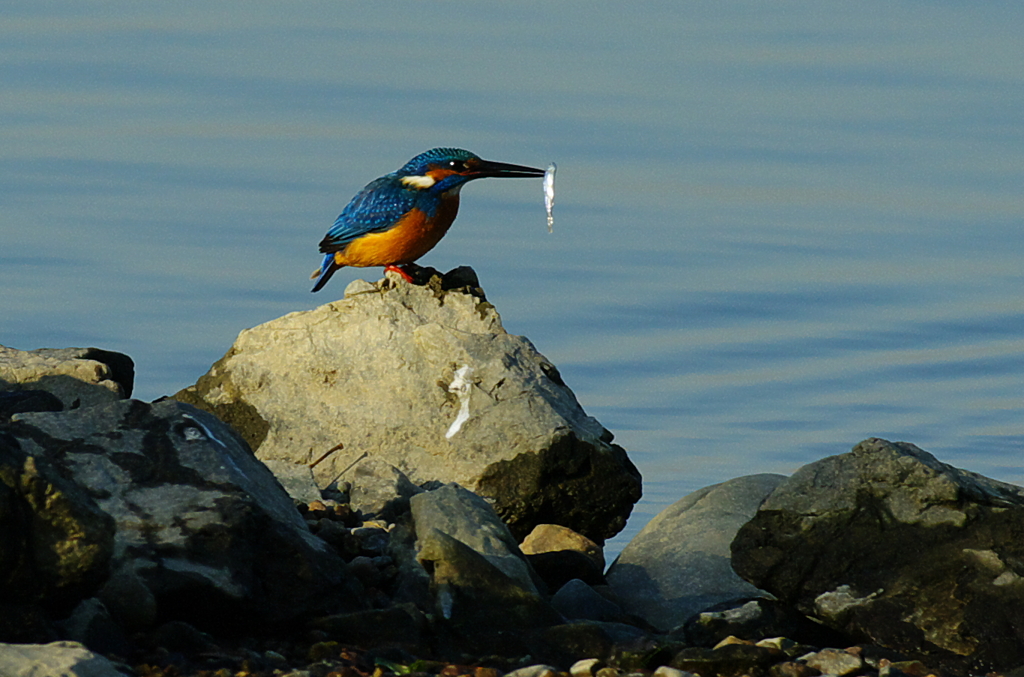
[457, 165]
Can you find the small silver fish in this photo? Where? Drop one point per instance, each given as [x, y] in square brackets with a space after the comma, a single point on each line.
[549, 195]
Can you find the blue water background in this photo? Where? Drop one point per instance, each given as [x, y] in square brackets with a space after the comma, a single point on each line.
[780, 227]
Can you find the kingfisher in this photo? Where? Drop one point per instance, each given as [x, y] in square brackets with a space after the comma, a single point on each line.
[399, 217]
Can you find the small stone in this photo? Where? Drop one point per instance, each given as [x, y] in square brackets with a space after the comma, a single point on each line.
[322, 651]
[481, 671]
[586, 667]
[372, 540]
[792, 669]
[275, 659]
[780, 643]
[904, 669]
[555, 537]
[732, 639]
[666, 671]
[534, 671]
[834, 662]
[608, 672]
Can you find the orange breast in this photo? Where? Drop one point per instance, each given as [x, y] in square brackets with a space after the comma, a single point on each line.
[410, 238]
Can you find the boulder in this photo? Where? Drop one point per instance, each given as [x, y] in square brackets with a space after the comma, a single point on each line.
[204, 533]
[484, 596]
[678, 565]
[426, 379]
[77, 376]
[57, 658]
[379, 488]
[556, 538]
[56, 544]
[453, 512]
[891, 546]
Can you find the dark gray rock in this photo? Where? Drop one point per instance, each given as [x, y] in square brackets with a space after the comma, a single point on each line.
[479, 609]
[484, 596]
[568, 643]
[20, 401]
[893, 547]
[753, 620]
[56, 544]
[678, 565]
[561, 566]
[200, 523]
[92, 625]
[452, 511]
[402, 626]
[379, 488]
[578, 601]
[375, 372]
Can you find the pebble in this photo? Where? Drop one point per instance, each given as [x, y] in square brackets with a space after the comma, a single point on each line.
[834, 662]
[666, 671]
[534, 671]
[732, 639]
[586, 667]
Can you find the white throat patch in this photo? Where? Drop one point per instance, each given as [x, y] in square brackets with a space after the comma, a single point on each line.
[421, 182]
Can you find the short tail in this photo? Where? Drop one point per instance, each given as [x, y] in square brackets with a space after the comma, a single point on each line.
[324, 272]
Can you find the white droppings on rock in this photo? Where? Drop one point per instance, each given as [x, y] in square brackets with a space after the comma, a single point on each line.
[461, 386]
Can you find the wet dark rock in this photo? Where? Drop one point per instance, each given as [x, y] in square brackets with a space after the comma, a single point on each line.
[893, 547]
[401, 626]
[372, 372]
[752, 620]
[455, 512]
[479, 608]
[727, 661]
[92, 625]
[202, 525]
[578, 601]
[559, 567]
[678, 565]
[19, 401]
[56, 544]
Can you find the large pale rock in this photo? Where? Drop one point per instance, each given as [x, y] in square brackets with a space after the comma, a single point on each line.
[893, 547]
[57, 659]
[204, 533]
[678, 565]
[78, 376]
[374, 372]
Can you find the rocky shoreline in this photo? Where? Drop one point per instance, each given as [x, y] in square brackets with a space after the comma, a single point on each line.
[391, 485]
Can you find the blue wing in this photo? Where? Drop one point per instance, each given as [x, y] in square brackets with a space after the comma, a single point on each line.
[375, 209]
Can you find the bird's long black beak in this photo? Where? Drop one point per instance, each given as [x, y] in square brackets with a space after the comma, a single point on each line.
[503, 170]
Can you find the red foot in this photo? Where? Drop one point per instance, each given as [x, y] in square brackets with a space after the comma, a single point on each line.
[401, 271]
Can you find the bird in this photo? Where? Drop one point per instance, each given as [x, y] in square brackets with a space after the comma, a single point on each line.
[399, 217]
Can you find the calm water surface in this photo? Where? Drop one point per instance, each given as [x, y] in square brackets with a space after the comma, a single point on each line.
[781, 228]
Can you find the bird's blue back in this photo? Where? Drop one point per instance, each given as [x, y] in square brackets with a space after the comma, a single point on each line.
[384, 201]
[375, 209]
